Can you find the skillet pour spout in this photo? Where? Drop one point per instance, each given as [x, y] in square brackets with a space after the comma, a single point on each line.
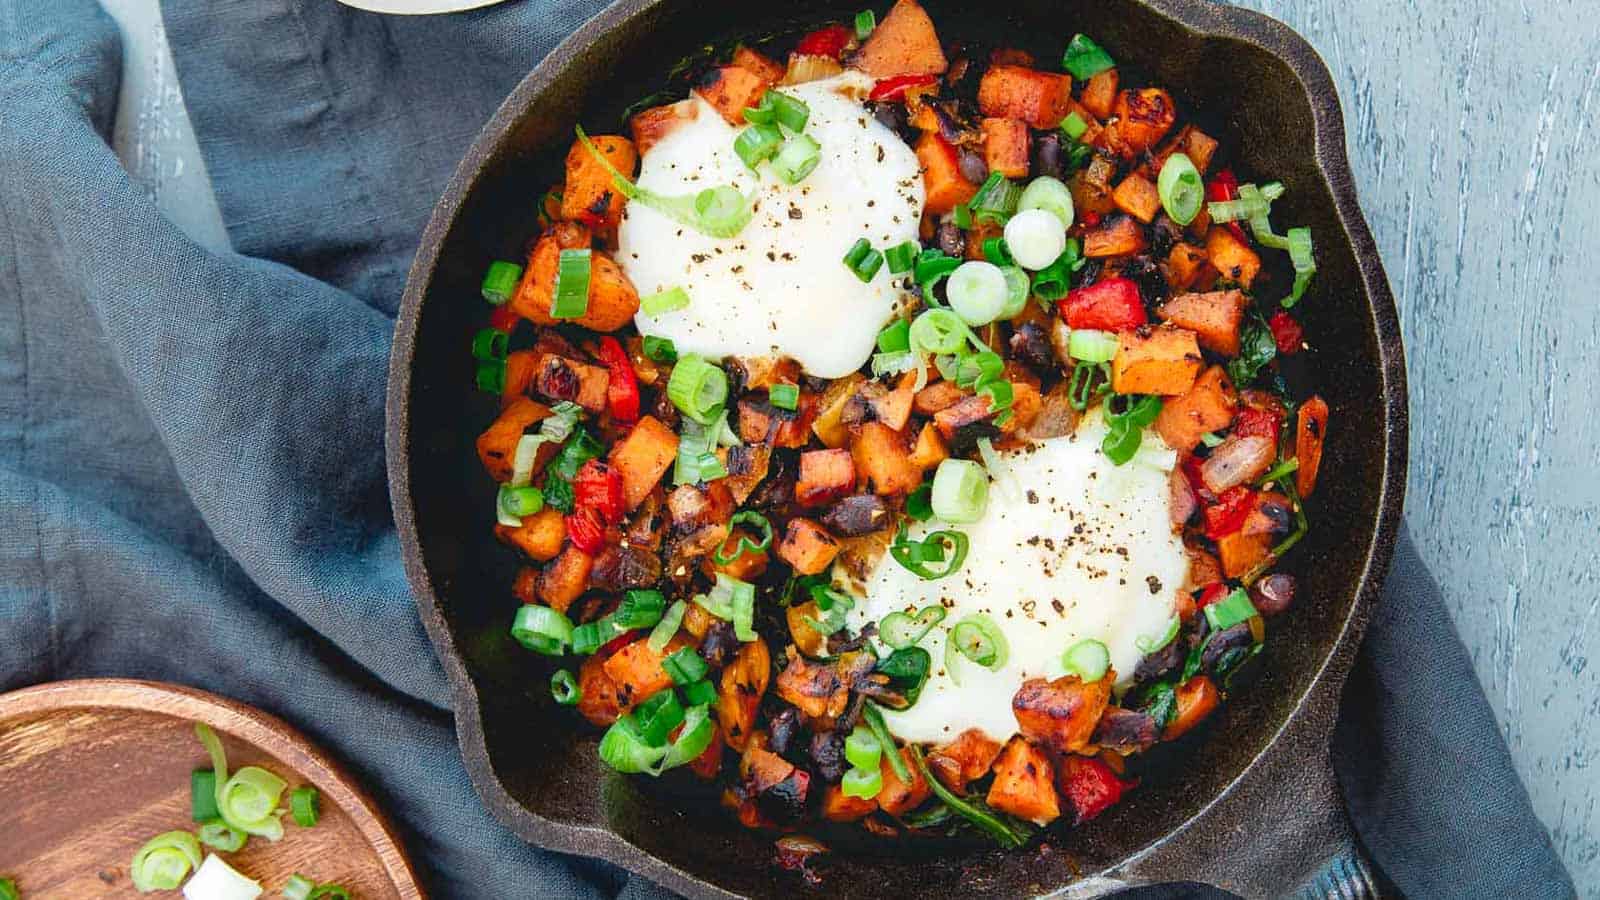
[1251, 806]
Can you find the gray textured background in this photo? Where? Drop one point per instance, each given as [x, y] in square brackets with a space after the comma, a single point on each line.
[1468, 122]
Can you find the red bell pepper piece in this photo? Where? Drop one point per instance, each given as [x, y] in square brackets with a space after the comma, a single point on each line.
[585, 530]
[1286, 332]
[1111, 304]
[616, 643]
[1191, 470]
[894, 89]
[1225, 186]
[1213, 593]
[503, 318]
[598, 487]
[1228, 514]
[622, 394]
[829, 41]
[1258, 423]
[1090, 785]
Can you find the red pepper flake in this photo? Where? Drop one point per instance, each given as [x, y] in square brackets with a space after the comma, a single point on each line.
[1286, 332]
[503, 318]
[1225, 186]
[829, 41]
[1213, 593]
[1228, 514]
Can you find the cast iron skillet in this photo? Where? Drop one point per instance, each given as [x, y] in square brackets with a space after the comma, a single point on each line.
[1254, 809]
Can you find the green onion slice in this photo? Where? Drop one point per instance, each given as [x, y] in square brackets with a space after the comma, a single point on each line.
[757, 144]
[1073, 126]
[571, 299]
[248, 803]
[947, 547]
[299, 887]
[660, 349]
[564, 688]
[931, 267]
[663, 302]
[685, 666]
[861, 782]
[901, 257]
[919, 503]
[1305, 264]
[657, 716]
[1085, 58]
[1088, 659]
[203, 795]
[517, 502]
[542, 630]
[713, 211]
[1280, 471]
[862, 260]
[874, 719]
[164, 861]
[1087, 345]
[862, 750]
[1049, 194]
[640, 608]
[866, 20]
[1054, 281]
[591, 636]
[700, 693]
[979, 639]
[978, 292]
[960, 491]
[1231, 610]
[500, 282]
[219, 835]
[896, 337]
[746, 517]
[329, 892]
[1148, 645]
[698, 732]
[996, 200]
[798, 158]
[8, 889]
[490, 344]
[305, 806]
[491, 376]
[784, 396]
[668, 626]
[624, 748]
[939, 331]
[698, 389]
[899, 630]
[1180, 189]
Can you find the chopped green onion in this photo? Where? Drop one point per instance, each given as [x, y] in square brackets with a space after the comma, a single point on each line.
[1005, 835]
[1258, 203]
[978, 291]
[490, 344]
[757, 144]
[1085, 59]
[1036, 238]
[960, 491]
[1087, 345]
[203, 795]
[668, 626]
[698, 389]
[542, 630]
[898, 630]
[996, 251]
[1018, 289]
[720, 212]
[962, 216]
[219, 835]
[697, 460]
[933, 265]
[865, 22]
[1053, 281]
[564, 688]
[216, 880]
[1148, 645]
[663, 302]
[657, 716]
[1280, 471]
[896, 337]
[491, 376]
[862, 783]
[1126, 429]
[901, 257]
[745, 545]
[500, 282]
[1231, 610]
[938, 331]
[685, 666]
[591, 636]
[700, 693]
[8, 889]
[1210, 439]
[640, 608]
[862, 750]
[915, 556]
[1181, 191]
[744, 611]
[520, 501]
[1073, 126]
[1305, 264]
[1088, 659]
[863, 260]
[979, 639]
[164, 861]
[304, 806]
[1082, 385]
[247, 800]
[894, 363]
[996, 200]
[891, 751]
[624, 748]
[798, 158]
[660, 349]
[571, 299]
[784, 396]
[919, 503]
[1052, 196]
[789, 111]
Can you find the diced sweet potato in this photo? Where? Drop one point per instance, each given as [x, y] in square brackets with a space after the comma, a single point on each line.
[904, 43]
[1185, 265]
[747, 465]
[560, 378]
[825, 475]
[966, 411]
[899, 797]
[1191, 142]
[1114, 236]
[938, 396]
[1232, 259]
[1311, 429]
[1091, 187]
[1213, 317]
[930, 449]
[497, 446]
[1061, 714]
[1025, 405]
[964, 760]
[708, 763]
[881, 458]
[598, 693]
[565, 579]
[657, 122]
[945, 186]
[1006, 146]
[807, 547]
[590, 196]
[612, 297]
[837, 807]
[1197, 698]
[829, 426]
[521, 366]
[1024, 784]
[730, 89]
[525, 586]
[1100, 93]
[813, 688]
[739, 692]
[1155, 360]
[1042, 99]
[636, 670]
[762, 372]
[1240, 552]
[539, 536]
[1137, 196]
[1143, 118]
[642, 457]
[807, 639]
[761, 64]
[1208, 406]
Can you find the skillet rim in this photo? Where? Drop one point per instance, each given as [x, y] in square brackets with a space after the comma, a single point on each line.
[1200, 17]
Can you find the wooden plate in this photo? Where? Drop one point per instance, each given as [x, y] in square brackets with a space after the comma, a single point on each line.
[92, 769]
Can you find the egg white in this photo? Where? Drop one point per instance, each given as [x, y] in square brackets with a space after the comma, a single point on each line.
[779, 287]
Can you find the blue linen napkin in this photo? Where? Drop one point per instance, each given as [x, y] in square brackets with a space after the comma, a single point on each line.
[191, 461]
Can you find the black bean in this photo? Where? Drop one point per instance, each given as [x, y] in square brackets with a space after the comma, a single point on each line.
[1154, 665]
[1047, 156]
[1222, 651]
[1030, 344]
[1273, 594]
[857, 515]
[781, 730]
[719, 644]
[952, 240]
[1125, 730]
[972, 166]
[827, 754]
